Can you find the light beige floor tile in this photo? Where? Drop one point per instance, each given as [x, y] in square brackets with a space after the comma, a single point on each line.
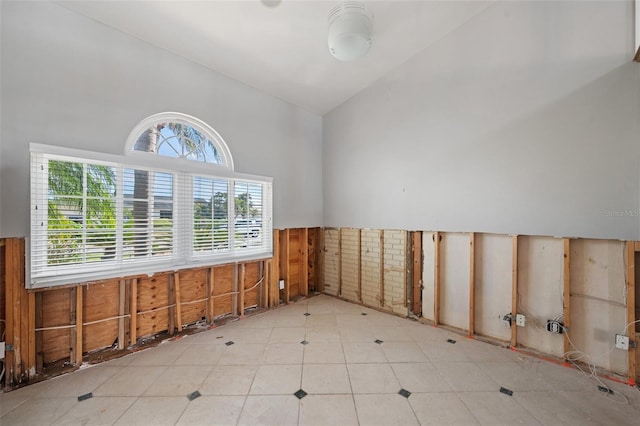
[164, 354]
[11, 400]
[208, 354]
[249, 335]
[384, 410]
[420, 377]
[440, 409]
[325, 334]
[321, 321]
[394, 334]
[39, 411]
[355, 333]
[287, 321]
[403, 352]
[209, 410]
[478, 351]
[495, 408]
[130, 381]
[324, 353]
[270, 410]
[243, 354]
[100, 410]
[516, 376]
[373, 378]
[325, 379]
[283, 353]
[78, 382]
[287, 335]
[440, 350]
[178, 380]
[229, 380]
[154, 410]
[466, 377]
[276, 380]
[560, 377]
[551, 408]
[323, 410]
[598, 406]
[363, 352]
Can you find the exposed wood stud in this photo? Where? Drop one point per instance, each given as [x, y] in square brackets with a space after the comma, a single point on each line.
[234, 288]
[241, 289]
[133, 310]
[359, 271]
[566, 292]
[417, 260]
[340, 262]
[73, 320]
[436, 277]
[39, 335]
[178, 300]
[304, 262]
[275, 270]
[208, 288]
[79, 324]
[287, 266]
[171, 319]
[320, 253]
[514, 291]
[31, 362]
[472, 283]
[11, 276]
[121, 312]
[631, 307]
[381, 265]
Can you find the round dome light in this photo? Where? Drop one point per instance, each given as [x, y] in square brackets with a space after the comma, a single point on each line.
[350, 29]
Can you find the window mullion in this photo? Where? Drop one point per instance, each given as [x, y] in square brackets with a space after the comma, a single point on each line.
[85, 221]
[231, 215]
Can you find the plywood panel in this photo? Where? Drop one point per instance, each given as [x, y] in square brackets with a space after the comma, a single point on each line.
[493, 284]
[152, 303]
[101, 301]
[598, 310]
[222, 284]
[540, 288]
[331, 261]
[56, 310]
[193, 285]
[428, 271]
[454, 294]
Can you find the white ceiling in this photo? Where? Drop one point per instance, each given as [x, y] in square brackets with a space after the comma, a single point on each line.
[283, 50]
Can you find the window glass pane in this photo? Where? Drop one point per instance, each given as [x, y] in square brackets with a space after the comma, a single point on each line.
[210, 224]
[248, 211]
[178, 140]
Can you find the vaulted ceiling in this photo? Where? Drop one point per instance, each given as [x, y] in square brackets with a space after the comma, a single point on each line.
[280, 47]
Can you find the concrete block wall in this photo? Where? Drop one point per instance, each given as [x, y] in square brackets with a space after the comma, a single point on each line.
[395, 266]
[343, 250]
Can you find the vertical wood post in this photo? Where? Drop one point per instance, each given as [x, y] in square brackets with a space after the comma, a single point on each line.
[631, 307]
[566, 292]
[241, 290]
[39, 344]
[207, 290]
[436, 278]
[79, 324]
[304, 262]
[381, 262]
[287, 266]
[359, 276]
[472, 283]
[73, 320]
[235, 289]
[178, 299]
[339, 261]
[133, 311]
[121, 312]
[171, 317]
[31, 358]
[320, 254]
[514, 291]
[275, 270]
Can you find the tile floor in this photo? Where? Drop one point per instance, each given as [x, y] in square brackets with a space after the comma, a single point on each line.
[348, 377]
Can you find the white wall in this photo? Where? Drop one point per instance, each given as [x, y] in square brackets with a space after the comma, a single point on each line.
[523, 121]
[69, 81]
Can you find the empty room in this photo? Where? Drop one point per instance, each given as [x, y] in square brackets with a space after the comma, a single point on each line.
[293, 212]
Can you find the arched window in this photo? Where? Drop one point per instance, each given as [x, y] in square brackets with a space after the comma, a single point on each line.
[172, 201]
[176, 135]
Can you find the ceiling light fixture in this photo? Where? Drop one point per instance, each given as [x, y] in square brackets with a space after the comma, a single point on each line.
[350, 27]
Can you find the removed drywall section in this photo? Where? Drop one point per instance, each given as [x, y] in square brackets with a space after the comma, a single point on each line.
[331, 261]
[454, 280]
[370, 264]
[428, 274]
[493, 284]
[395, 274]
[598, 302]
[540, 288]
[350, 264]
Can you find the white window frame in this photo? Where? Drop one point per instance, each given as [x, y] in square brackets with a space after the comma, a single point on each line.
[183, 257]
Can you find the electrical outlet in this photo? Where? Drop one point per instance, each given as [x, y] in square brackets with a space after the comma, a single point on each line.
[555, 326]
[1, 350]
[520, 320]
[622, 342]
